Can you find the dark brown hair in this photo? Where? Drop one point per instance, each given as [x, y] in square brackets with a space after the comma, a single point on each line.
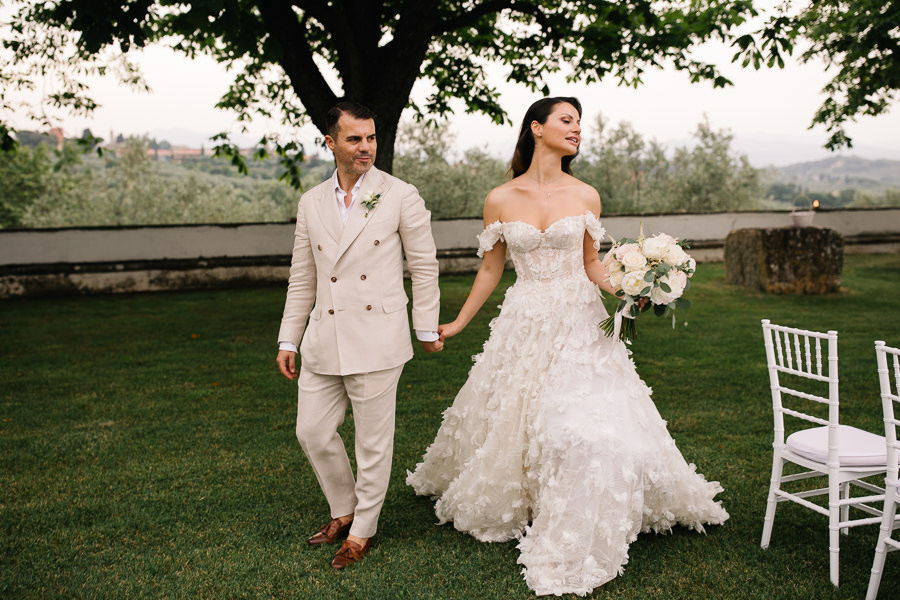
[354, 109]
[539, 111]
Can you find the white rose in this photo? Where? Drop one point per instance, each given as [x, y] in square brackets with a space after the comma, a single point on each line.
[634, 261]
[675, 255]
[666, 238]
[654, 248]
[615, 278]
[623, 250]
[633, 282]
[658, 296]
[612, 265]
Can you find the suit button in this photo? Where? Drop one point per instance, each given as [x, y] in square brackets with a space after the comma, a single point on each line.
[363, 277]
[333, 279]
[330, 311]
[377, 242]
[320, 246]
[368, 307]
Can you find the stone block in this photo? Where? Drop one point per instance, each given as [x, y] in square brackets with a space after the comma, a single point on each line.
[786, 260]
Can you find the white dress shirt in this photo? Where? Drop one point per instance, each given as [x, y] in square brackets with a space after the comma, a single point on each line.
[340, 197]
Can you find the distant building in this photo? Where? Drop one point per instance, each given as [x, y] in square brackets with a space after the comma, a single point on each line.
[57, 132]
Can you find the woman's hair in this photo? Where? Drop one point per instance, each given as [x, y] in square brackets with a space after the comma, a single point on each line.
[539, 111]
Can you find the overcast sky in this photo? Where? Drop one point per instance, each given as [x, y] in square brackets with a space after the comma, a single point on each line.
[768, 111]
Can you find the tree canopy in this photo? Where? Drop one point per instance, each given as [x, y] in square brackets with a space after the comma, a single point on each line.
[288, 53]
[858, 38]
[293, 59]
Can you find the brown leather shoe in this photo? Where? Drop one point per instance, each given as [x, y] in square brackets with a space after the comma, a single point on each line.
[350, 554]
[329, 533]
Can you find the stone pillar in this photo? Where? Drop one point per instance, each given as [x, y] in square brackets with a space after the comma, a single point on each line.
[788, 260]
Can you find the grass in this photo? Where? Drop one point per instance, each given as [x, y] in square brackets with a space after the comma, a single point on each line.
[147, 451]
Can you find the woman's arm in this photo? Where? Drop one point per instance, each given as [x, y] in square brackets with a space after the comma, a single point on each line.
[487, 278]
[593, 266]
[595, 269]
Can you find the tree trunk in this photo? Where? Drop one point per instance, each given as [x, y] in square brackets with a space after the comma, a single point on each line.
[379, 77]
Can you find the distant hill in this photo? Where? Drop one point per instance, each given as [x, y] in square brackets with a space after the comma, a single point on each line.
[839, 173]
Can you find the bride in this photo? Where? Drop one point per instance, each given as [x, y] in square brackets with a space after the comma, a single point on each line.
[553, 440]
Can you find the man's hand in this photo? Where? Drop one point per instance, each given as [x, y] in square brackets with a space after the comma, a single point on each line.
[435, 346]
[286, 361]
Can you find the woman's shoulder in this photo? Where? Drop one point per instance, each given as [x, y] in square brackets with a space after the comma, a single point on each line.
[507, 190]
[582, 189]
[585, 194]
[501, 196]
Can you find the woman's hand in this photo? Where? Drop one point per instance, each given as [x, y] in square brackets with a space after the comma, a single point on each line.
[449, 330]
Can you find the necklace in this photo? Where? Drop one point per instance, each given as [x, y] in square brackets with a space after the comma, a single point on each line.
[540, 185]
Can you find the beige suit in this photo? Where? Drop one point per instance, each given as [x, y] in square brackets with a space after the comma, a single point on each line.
[347, 281]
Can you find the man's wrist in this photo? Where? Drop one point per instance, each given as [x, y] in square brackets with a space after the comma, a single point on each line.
[427, 336]
[289, 346]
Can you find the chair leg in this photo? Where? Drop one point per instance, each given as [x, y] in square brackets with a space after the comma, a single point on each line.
[887, 526]
[845, 510]
[877, 567]
[834, 532]
[772, 501]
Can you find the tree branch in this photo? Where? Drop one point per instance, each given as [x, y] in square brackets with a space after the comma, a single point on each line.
[487, 7]
[317, 9]
[296, 59]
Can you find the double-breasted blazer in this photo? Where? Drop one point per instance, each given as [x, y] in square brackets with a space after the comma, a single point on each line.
[346, 306]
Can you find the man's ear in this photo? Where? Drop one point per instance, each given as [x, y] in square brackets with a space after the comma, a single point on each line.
[329, 141]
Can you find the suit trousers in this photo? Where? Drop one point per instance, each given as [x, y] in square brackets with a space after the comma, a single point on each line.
[321, 406]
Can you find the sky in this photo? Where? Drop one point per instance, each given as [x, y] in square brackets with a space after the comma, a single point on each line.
[768, 111]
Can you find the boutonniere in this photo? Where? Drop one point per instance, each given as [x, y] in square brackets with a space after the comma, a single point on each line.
[371, 201]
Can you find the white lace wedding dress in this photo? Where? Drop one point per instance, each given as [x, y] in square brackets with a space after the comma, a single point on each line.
[553, 439]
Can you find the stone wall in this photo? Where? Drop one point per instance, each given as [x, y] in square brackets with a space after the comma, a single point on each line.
[136, 259]
[787, 260]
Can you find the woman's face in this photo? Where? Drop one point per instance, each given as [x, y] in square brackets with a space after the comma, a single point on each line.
[562, 130]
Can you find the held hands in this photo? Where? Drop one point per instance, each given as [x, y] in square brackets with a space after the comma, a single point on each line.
[286, 361]
[449, 330]
[435, 346]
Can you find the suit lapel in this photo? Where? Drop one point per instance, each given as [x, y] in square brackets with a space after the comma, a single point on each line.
[328, 211]
[372, 184]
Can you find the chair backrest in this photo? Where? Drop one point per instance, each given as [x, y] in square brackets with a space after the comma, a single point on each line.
[888, 365]
[807, 355]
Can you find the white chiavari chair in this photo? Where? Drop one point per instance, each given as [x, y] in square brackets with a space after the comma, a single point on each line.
[888, 365]
[803, 376]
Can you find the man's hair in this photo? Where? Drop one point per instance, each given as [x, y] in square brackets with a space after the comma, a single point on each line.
[354, 109]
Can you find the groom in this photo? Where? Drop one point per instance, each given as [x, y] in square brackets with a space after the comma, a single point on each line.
[346, 278]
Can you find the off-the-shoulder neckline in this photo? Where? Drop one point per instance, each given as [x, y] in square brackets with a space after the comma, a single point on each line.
[549, 227]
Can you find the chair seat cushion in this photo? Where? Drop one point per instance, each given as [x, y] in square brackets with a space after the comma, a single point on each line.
[857, 448]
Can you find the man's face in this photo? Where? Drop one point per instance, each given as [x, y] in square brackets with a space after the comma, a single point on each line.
[354, 148]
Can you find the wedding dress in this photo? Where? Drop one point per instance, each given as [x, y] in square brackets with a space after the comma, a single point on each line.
[554, 440]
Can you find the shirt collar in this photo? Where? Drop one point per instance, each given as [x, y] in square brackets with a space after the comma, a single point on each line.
[337, 184]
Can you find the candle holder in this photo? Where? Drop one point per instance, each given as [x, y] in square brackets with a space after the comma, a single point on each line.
[804, 217]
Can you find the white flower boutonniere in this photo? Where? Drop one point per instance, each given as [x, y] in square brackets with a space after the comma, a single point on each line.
[370, 201]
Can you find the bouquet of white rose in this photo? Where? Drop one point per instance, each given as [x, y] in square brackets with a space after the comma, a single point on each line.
[656, 268]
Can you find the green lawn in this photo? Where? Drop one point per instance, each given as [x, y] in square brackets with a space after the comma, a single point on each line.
[147, 450]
